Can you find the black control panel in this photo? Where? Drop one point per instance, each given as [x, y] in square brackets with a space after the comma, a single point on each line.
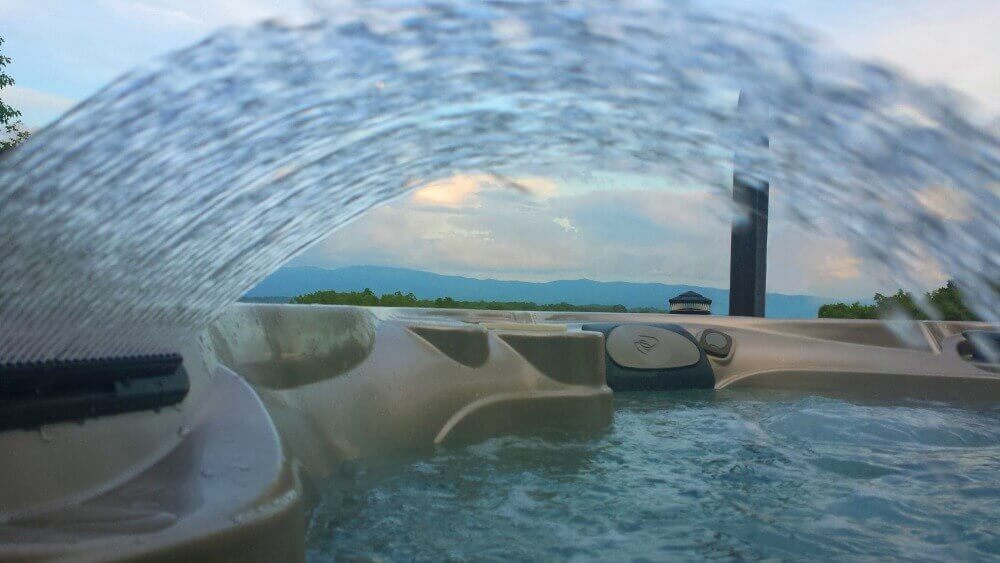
[656, 356]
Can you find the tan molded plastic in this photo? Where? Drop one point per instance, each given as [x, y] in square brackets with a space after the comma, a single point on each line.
[469, 346]
[640, 346]
[282, 396]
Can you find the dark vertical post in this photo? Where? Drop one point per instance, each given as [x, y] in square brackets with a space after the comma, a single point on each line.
[748, 250]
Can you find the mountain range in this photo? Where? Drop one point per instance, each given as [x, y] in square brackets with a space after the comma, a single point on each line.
[289, 282]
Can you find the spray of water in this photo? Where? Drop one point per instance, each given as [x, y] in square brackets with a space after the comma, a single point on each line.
[131, 222]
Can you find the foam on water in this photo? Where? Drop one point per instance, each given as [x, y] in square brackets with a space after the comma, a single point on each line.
[130, 223]
[690, 476]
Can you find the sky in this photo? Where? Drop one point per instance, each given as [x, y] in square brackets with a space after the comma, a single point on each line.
[599, 227]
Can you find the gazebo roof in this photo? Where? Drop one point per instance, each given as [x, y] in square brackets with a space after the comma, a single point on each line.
[691, 297]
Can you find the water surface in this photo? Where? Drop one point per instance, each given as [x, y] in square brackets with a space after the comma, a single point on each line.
[691, 475]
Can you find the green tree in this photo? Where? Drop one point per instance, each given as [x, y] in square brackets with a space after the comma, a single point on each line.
[368, 298]
[10, 118]
[947, 301]
[848, 311]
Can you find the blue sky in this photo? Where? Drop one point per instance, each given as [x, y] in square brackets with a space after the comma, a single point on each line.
[608, 228]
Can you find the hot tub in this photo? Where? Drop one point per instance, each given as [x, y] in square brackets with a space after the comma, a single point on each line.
[285, 399]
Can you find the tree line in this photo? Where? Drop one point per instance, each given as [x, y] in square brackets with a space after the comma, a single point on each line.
[945, 300]
[368, 298]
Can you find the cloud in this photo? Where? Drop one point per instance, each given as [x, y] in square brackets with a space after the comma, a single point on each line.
[565, 223]
[942, 42]
[950, 44]
[454, 192]
[643, 235]
[148, 13]
[205, 15]
[840, 267]
[36, 107]
[465, 190]
[497, 242]
[947, 42]
[493, 232]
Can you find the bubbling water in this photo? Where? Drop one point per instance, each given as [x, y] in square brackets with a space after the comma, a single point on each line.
[131, 222]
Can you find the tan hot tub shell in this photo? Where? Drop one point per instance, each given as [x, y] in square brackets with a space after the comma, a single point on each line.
[281, 396]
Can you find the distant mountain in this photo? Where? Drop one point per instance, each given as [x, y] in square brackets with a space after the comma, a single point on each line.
[289, 282]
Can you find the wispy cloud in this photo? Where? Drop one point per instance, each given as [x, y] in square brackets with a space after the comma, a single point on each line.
[37, 108]
[566, 224]
[206, 14]
[621, 233]
[151, 12]
[946, 42]
[455, 192]
[465, 190]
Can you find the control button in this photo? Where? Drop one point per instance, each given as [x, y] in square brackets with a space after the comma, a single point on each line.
[716, 343]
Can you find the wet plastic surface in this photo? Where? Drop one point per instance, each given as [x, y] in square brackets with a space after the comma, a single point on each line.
[282, 397]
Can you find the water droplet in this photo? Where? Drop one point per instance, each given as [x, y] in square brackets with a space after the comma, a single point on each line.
[45, 434]
[183, 431]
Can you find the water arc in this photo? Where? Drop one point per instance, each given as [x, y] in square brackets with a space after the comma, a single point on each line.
[131, 222]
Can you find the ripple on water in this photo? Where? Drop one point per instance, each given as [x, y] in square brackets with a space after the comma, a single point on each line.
[692, 475]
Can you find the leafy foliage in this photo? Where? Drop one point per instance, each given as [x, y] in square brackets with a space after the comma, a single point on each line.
[947, 301]
[265, 299]
[848, 311]
[10, 118]
[398, 299]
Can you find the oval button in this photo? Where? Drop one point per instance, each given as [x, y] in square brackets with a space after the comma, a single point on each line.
[650, 347]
